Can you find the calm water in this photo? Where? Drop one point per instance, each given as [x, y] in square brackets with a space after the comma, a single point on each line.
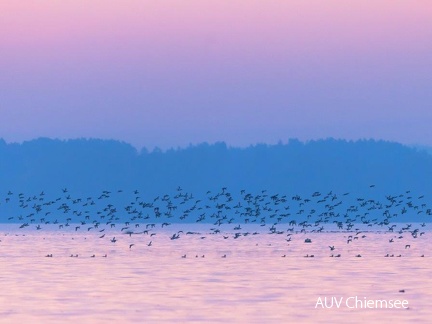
[253, 284]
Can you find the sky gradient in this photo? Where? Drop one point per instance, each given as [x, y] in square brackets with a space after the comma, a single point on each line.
[169, 73]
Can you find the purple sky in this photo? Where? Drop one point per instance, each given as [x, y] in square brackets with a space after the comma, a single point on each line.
[169, 73]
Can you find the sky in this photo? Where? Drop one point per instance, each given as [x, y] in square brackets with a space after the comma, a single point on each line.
[172, 73]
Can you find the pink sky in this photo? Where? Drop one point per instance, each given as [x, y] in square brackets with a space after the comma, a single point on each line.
[167, 73]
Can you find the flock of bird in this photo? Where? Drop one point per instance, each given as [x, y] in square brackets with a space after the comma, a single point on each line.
[229, 216]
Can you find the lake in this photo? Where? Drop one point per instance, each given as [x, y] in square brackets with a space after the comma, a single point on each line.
[205, 277]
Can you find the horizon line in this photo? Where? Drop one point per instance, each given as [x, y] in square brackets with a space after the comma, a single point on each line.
[228, 145]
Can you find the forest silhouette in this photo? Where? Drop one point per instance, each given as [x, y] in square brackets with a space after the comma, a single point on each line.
[89, 165]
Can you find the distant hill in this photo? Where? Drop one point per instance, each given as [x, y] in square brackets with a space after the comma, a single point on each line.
[86, 166]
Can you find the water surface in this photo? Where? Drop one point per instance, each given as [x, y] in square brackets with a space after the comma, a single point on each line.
[254, 283]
